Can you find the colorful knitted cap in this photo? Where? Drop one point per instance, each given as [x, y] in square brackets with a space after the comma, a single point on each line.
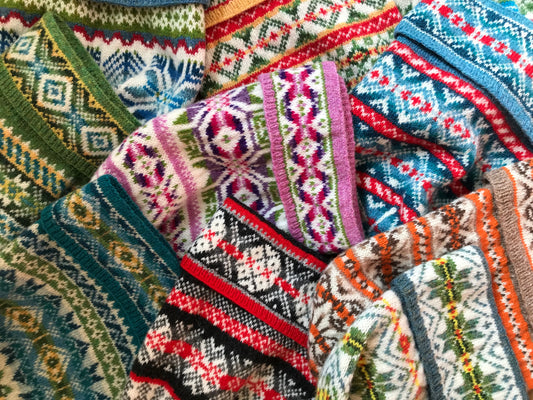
[59, 119]
[153, 57]
[235, 324]
[247, 38]
[437, 334]
[283, 146]
[451, 99]
[78, 292]
[495, 219]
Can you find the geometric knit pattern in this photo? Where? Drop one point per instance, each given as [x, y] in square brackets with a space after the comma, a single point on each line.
[59, 119]
[153, 57]
[356, 278]
[234, 326]
[437, 334]
[283, 147]
[426, 130]
[78, 292]
[244, 42]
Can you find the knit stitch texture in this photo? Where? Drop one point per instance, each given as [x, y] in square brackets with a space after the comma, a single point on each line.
[59, 119]
[153, 57]
[451, 99]
[284, 147]
[496, 219]
[235, 324]
[436, 335]
[78, 292]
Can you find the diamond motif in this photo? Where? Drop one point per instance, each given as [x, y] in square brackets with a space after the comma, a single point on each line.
[55, 92]
[98, 141]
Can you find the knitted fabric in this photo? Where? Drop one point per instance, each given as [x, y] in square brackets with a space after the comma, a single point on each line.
[244, 42]
[450, 99]
[59, 119]
[496, 219]
[282, 147]
[78, 291]
[235, 324]
[153, 57]
[436, 335]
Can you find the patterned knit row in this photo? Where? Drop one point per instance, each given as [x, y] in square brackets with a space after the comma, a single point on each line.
[449, 100]
[153, 57]
[282, 146]
[235, 324]
[78, 291]
[436, 334]
[496, 219]
[59, 119]
[247, 38]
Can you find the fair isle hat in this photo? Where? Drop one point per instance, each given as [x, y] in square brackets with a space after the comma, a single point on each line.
[151, 52]
[283, 146]
[235, 324]
[59, 119]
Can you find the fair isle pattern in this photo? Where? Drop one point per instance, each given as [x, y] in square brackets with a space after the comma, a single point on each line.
[458, 332]
[50, 86]
[181, 166]
[45, 73]
[153, 57]
[282, 34]
[234, 326]
[437, 334]
[426, 131]
[376, 358]
[300, 114]
[78, 291]
[359, 276]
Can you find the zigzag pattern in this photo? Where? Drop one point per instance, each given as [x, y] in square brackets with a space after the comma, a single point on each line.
[230, 325]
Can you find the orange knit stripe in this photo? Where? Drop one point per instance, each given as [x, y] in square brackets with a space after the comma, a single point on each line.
[370, 290]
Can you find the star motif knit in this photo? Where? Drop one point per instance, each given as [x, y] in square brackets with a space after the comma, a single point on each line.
[283, 146]
[153, 57]
[235, 324]
[495, 219]
[59, 119]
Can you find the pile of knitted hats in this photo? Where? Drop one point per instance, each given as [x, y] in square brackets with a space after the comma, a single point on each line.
[266, 199]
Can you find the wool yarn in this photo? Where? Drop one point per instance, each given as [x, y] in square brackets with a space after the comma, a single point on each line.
[153, 57]
[282, 146]
[450, 99]
[496, 219]
[235, 324]
[59, 119]
[243, 42]
[78, 291]
[437, 334]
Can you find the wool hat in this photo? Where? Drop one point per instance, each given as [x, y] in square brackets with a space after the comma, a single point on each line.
[78, 292]
[437, 334]
[282, 146]
[59, 119]
[247, 38]
[153, 56]
[235, 324]
[450, 99]
[496, 219]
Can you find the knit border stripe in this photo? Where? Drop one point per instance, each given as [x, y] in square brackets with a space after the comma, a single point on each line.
[340, 35]
[252, 306]
[154, 381]
[239, 331]
[224, 11]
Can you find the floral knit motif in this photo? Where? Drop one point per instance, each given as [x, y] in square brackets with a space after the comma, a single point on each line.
[298, 172]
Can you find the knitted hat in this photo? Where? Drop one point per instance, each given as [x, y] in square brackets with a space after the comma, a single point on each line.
[153, 57]
[243, 41]
[496, 219]
[436, 334]
[78, 292]
[235, 324]
[59, 119]
[284, 147]
[450, 99]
